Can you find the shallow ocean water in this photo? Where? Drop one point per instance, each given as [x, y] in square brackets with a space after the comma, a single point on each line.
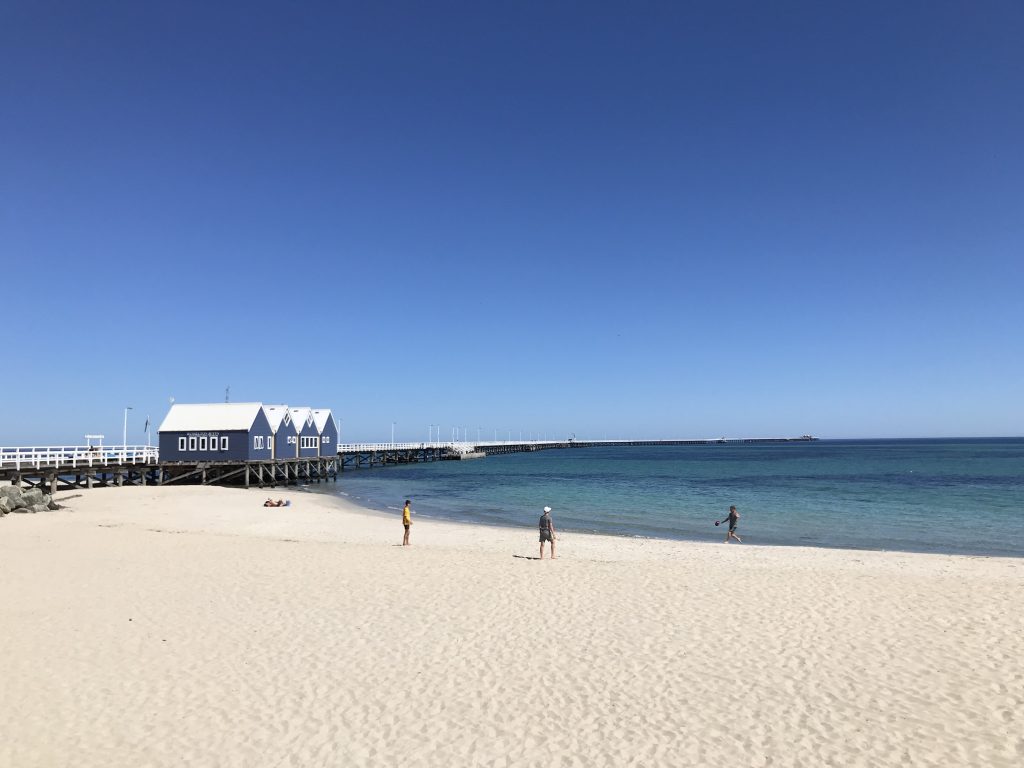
[958, 496]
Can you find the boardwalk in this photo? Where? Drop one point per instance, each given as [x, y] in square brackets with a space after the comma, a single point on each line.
[67, 467]
[64, 467]
[365, 455]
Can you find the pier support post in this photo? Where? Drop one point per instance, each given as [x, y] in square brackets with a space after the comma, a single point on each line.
[246, 475]
[53, 483]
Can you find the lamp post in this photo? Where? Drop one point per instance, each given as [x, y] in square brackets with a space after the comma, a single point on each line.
[392, 434]
[124, 437]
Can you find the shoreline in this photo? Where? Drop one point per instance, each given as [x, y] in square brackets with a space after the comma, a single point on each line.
[157, 626]
[374, 510]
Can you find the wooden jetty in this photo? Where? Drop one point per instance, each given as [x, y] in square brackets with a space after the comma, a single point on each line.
[70, 467]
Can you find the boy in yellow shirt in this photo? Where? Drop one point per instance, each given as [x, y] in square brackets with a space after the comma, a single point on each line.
[406, 521]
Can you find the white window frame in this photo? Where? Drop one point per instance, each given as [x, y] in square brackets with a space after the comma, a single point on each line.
[192, 442]
[182, 443]
[202, 442]
[223, 442]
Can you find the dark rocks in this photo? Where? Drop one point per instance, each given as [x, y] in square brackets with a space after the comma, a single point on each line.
[32, 496]
[32, 500]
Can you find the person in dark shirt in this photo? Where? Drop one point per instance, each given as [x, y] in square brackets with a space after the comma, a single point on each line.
[733, 518]
[547, 532]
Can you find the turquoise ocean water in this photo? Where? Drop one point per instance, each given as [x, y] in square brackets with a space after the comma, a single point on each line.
[958, 496]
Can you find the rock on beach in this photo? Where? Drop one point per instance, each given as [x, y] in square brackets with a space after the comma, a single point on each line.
[14, 499]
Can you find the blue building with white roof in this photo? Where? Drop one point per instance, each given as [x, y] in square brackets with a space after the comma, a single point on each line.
[280, 421]
[216, 432]
[327, 428]
[306, 432]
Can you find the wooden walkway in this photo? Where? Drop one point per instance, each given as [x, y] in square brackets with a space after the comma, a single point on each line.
[59, 468]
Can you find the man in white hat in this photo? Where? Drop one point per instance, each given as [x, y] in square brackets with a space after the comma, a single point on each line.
[547, 532]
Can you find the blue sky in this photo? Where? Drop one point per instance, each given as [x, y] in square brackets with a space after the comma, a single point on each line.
[639, 220]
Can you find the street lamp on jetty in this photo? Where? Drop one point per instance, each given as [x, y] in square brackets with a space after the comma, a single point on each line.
[124, 436]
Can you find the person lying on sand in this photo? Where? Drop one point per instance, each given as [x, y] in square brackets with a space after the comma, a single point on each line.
[277, 503]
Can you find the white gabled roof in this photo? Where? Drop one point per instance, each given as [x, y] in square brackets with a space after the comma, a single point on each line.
[275, 415]
[301, 416]
[204, 417]
[320, 417]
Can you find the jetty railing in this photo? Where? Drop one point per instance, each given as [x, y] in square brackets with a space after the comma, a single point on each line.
[71, 456]
[459, 447]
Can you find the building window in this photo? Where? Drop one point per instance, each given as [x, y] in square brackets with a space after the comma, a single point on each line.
[202, 443]
[181, 443]
[257, 442]
[224, 443]
[326, 439]
[192, 443]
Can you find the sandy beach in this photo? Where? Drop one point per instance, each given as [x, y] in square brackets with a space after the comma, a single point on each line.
[193, 626]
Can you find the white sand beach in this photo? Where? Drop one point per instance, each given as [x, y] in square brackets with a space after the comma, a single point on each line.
[192, 626]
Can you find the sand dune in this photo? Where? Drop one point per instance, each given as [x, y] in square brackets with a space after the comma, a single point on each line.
[192, 626]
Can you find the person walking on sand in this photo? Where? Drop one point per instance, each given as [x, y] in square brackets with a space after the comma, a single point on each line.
[547, 532]
[733, 517]
[407, 522]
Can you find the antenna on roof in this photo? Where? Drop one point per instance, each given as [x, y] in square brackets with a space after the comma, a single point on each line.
[227, 394]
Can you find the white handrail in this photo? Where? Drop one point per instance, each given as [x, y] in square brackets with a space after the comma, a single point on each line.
[71, 456]
[459, 446]
[369, 447]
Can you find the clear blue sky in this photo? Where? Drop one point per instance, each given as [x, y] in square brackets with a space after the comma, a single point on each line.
[644, 219]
